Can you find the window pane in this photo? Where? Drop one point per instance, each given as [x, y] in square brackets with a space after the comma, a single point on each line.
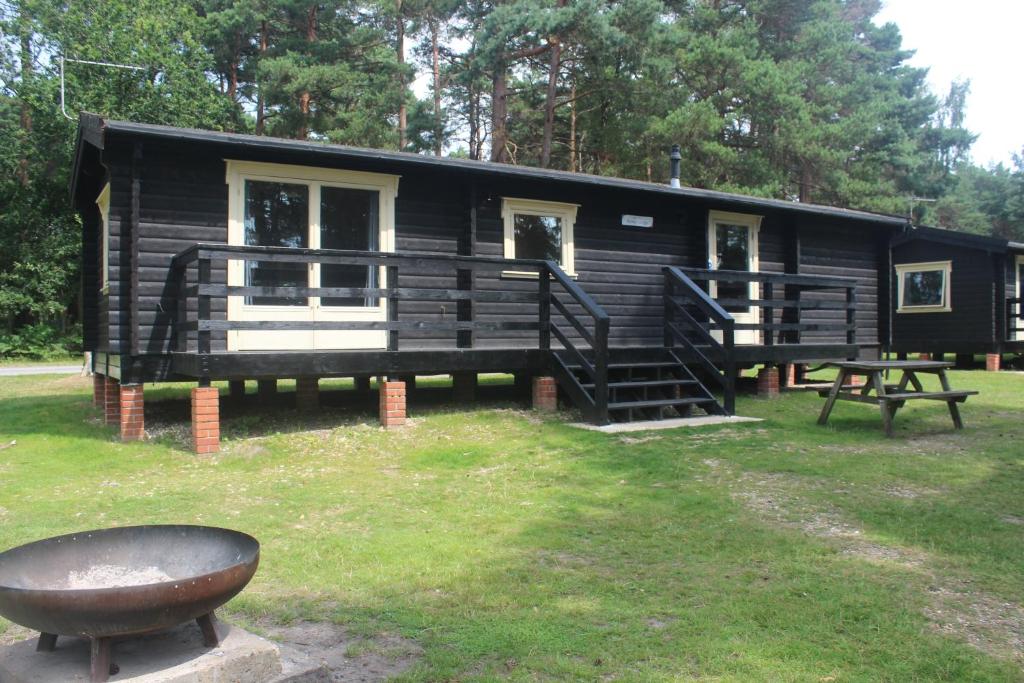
[276, 215]
[924, 288]
[349, 220]
[538, 237]
[733, 251]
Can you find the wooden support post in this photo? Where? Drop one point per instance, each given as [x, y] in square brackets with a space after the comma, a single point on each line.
[392, 404]
[392, 286]
[267, 389]
[362, 383]
[307, 393]
[236, 390]
[111, 401]
[133, 426]
[544, 308]
[410, 383]
[964, 361]
[205, 420]
[522, 383]
[545, 394]
[464, 386]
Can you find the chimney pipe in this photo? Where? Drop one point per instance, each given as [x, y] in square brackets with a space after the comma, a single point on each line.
[674, 159]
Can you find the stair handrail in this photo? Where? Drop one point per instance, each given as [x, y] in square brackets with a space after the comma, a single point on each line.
[695, 295]
[599, 341]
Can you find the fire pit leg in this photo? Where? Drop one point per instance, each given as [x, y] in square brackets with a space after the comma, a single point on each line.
[47, 642]
[208, 625]
[100, 666]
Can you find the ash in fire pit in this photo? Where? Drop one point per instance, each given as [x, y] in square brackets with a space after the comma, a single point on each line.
[114, 576]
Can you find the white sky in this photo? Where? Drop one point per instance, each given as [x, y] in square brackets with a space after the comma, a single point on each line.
[975, 39]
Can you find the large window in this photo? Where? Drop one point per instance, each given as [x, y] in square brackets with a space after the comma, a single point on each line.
[924, 287]
[539, 230]
[103, 204]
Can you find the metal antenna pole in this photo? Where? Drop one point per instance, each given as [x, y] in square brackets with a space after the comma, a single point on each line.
[63, 110]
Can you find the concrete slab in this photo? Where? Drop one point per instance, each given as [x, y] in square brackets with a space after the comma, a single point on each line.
[174, 656]
[652, 425]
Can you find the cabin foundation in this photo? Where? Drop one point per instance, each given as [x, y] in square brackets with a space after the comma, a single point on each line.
[392, 404]
[545, 394]
[993, 362]
[205, 420]
[132, 417]
[236, 390]
[768, 382]
[111, 401]
[464, 386]
[307, 393]
[99, 383]
[267, 390]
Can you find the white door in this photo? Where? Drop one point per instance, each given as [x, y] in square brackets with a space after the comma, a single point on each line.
[732, 245]
[295, 206]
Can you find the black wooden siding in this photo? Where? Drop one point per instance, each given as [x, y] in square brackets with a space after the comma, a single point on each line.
[971, 325]
[183, 199]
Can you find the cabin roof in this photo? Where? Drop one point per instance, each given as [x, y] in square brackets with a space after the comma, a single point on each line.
[956, 238]
[94, 130]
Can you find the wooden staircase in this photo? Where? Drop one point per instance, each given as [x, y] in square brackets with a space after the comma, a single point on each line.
[656, 387]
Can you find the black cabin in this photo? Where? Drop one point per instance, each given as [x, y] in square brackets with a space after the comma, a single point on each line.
[216, 256]
[957, 293]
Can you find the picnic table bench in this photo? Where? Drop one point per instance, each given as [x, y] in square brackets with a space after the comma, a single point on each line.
[891, 397]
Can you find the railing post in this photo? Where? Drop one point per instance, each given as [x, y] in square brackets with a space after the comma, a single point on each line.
[544, 307]
[729, 366]
[851, 314]
[601, 327]
[667, 316]
[391, 273]
[203, 307]
[180, 336]
[768, 293]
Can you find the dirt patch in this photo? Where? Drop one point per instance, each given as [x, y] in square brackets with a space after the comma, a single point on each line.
[954, 608]
[346, 657]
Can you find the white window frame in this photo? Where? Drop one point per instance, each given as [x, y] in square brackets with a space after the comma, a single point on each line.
[237, 173]
[103, 204]
[901, 272]
[510, 206]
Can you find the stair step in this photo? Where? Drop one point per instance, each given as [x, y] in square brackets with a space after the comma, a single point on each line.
[629, 366]
[661, 403]
[640, 383]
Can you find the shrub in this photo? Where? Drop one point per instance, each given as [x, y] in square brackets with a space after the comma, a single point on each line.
[40, 342]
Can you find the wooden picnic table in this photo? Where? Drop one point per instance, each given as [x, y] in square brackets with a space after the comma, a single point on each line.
[891, 397]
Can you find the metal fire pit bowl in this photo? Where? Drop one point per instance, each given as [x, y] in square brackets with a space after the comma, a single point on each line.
[59, 586]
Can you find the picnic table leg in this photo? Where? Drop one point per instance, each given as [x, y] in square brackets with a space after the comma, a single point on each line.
[954, 409]
[885, 407]
[826, 410]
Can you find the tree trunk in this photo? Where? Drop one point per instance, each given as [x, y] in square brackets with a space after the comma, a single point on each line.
[572, 125]
[261, 107]
[806, 181]
[499, 113]
[403, 122]
[435, 56]
[25, 57]
[549, 103]
[306, 98]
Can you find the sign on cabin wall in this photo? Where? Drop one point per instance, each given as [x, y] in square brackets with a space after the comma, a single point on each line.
[637, 221]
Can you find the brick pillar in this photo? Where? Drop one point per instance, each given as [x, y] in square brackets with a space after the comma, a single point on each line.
[267, 390]
[545, 394]
[788, 377]
[993, 361]
[236, 389]
[768, 382]
[464, 386]
[133, 426]
[362, 383]
[307, 393]
[392, 404]
[205, 420]
[99, 385]
[924, 356]
[112, 401]
[855, 380]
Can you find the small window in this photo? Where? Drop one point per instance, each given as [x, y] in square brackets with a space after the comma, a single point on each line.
[103, 203]
[924, 287]
[539, 230]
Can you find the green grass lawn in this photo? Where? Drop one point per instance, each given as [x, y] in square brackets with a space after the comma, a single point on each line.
[514, 547]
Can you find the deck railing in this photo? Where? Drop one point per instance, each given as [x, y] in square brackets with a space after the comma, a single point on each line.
[563, 310]
[1015, 318]
[781, 306]
[691, 316]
